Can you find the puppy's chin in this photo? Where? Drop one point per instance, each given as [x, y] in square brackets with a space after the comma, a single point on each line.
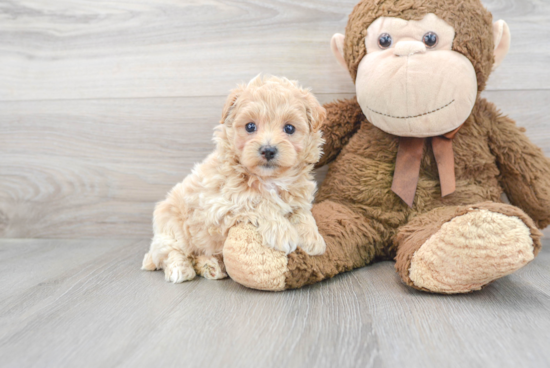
[267, 170]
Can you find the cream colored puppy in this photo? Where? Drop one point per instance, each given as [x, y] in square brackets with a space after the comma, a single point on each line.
[260, 172]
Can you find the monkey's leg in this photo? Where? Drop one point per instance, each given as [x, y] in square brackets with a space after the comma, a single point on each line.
[352, 241]
[461, 249]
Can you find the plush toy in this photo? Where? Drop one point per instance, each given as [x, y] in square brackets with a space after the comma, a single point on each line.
[419, 160]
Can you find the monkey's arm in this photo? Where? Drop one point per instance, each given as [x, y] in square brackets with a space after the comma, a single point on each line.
[343, 120]
[524, 170]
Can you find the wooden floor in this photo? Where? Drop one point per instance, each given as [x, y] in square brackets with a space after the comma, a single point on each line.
[106, 104]
[85, 303]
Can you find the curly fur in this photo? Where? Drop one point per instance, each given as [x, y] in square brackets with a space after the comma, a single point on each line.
[235, 184]
[362, 220]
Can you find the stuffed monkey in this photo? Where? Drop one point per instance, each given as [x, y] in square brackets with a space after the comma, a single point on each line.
[418, 160]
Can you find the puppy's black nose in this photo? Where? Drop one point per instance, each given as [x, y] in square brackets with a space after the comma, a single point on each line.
[268, 152]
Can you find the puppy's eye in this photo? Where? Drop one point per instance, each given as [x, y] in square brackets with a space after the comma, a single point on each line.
[250, 127]
[385, 41]
[430, 39]
[289, 129]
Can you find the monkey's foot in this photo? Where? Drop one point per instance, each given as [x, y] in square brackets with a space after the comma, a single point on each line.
[470, 251]
[250, 263]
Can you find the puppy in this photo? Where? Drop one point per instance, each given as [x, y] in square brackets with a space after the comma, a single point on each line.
[260, 172]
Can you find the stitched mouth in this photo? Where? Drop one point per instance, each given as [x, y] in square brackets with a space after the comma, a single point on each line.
[413, 116]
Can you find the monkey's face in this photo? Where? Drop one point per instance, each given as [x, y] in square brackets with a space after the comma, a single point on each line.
[411, 83]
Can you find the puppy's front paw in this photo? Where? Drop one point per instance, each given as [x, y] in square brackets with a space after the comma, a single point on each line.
[280, 236]
[178, 268]
[211, 268]
[312, 242]
[179, 273]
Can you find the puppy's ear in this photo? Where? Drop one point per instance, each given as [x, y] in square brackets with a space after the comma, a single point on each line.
[316, 113]
[231, 102]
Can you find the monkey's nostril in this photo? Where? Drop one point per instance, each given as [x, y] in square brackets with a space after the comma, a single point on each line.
[268, 152]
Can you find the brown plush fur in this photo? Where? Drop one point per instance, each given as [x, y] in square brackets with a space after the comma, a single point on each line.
[357, 213]
[362, 220]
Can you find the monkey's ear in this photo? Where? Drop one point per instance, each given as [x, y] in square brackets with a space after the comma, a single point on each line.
[337, 47]
[501, 34]
[230, 102]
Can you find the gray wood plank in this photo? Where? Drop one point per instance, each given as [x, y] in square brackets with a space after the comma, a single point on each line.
[85, 303]
[496, 327]
[70, 49]
[95, 168]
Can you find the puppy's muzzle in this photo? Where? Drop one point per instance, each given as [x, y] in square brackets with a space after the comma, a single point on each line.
[268, 152]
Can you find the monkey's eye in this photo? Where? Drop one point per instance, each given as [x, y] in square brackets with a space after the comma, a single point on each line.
[289, 129]
[250, 127]
[430, 39]
[384, 41]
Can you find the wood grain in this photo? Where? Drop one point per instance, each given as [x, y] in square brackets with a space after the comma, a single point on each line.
[94, 169]
[85, 303]
[79, 49]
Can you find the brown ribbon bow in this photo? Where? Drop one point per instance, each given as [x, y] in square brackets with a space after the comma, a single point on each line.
[407, 166]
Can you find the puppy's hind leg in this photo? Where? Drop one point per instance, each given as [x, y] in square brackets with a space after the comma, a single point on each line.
[148, 264]
[165, 254]
[161, 245]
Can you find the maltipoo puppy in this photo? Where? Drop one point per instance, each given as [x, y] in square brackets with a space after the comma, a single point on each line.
[260, 173]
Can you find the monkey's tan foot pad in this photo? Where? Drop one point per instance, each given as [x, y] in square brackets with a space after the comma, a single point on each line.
[252, 264]
[470, 251]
